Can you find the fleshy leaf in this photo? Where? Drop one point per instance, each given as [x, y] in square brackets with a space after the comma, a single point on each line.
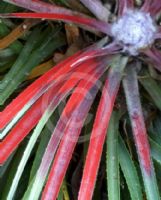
[129, 171]
[139, 131]
[58, 13]
[67, 145]
[74, 101]
[124, 5]
[97, 8]
[112, 159]
[54, 102]
[98, 134]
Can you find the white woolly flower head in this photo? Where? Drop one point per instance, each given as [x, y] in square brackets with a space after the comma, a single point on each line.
[134, 30]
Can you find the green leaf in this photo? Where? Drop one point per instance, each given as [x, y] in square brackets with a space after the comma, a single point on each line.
[155, 137]
[7, 8]
[22, 59]
[16, 46]
[112, 160]
[132, 94]
[27, 153]
[30, 58]
[155, 151]
[44, 139]
[152, 88]
[33, 139]
[11, 171]
[129, 171]
[155, 129]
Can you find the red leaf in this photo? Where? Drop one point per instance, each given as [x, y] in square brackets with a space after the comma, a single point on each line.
[155, 7]
[69, 126]
[66, 149]
[98, 135]
[139, 131]
[53, 77]
[155, 57]
[91, 23]
[78, 96]
[31, 118]
[124, 5]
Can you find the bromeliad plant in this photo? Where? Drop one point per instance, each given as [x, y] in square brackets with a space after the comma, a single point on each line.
[123, 55]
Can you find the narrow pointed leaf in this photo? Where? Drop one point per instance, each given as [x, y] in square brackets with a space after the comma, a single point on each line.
[66, 88]
[12, 170]
[15, 110]
[155, 7]
[112, 159]
[155, 151]
[155, 57]
[129, 172]
[97, 8]
[58, 13]
[124, 5]
[99, 129]
[152, 88]
[42, 51]
[139, 131]
[66, 148]
[76, 99]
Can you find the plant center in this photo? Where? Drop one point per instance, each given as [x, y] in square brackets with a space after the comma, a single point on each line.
[134, 30]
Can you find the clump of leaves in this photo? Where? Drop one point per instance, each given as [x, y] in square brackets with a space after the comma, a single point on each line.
[128, 54]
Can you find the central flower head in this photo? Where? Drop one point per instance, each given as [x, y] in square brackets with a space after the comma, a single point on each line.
[134, 30]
